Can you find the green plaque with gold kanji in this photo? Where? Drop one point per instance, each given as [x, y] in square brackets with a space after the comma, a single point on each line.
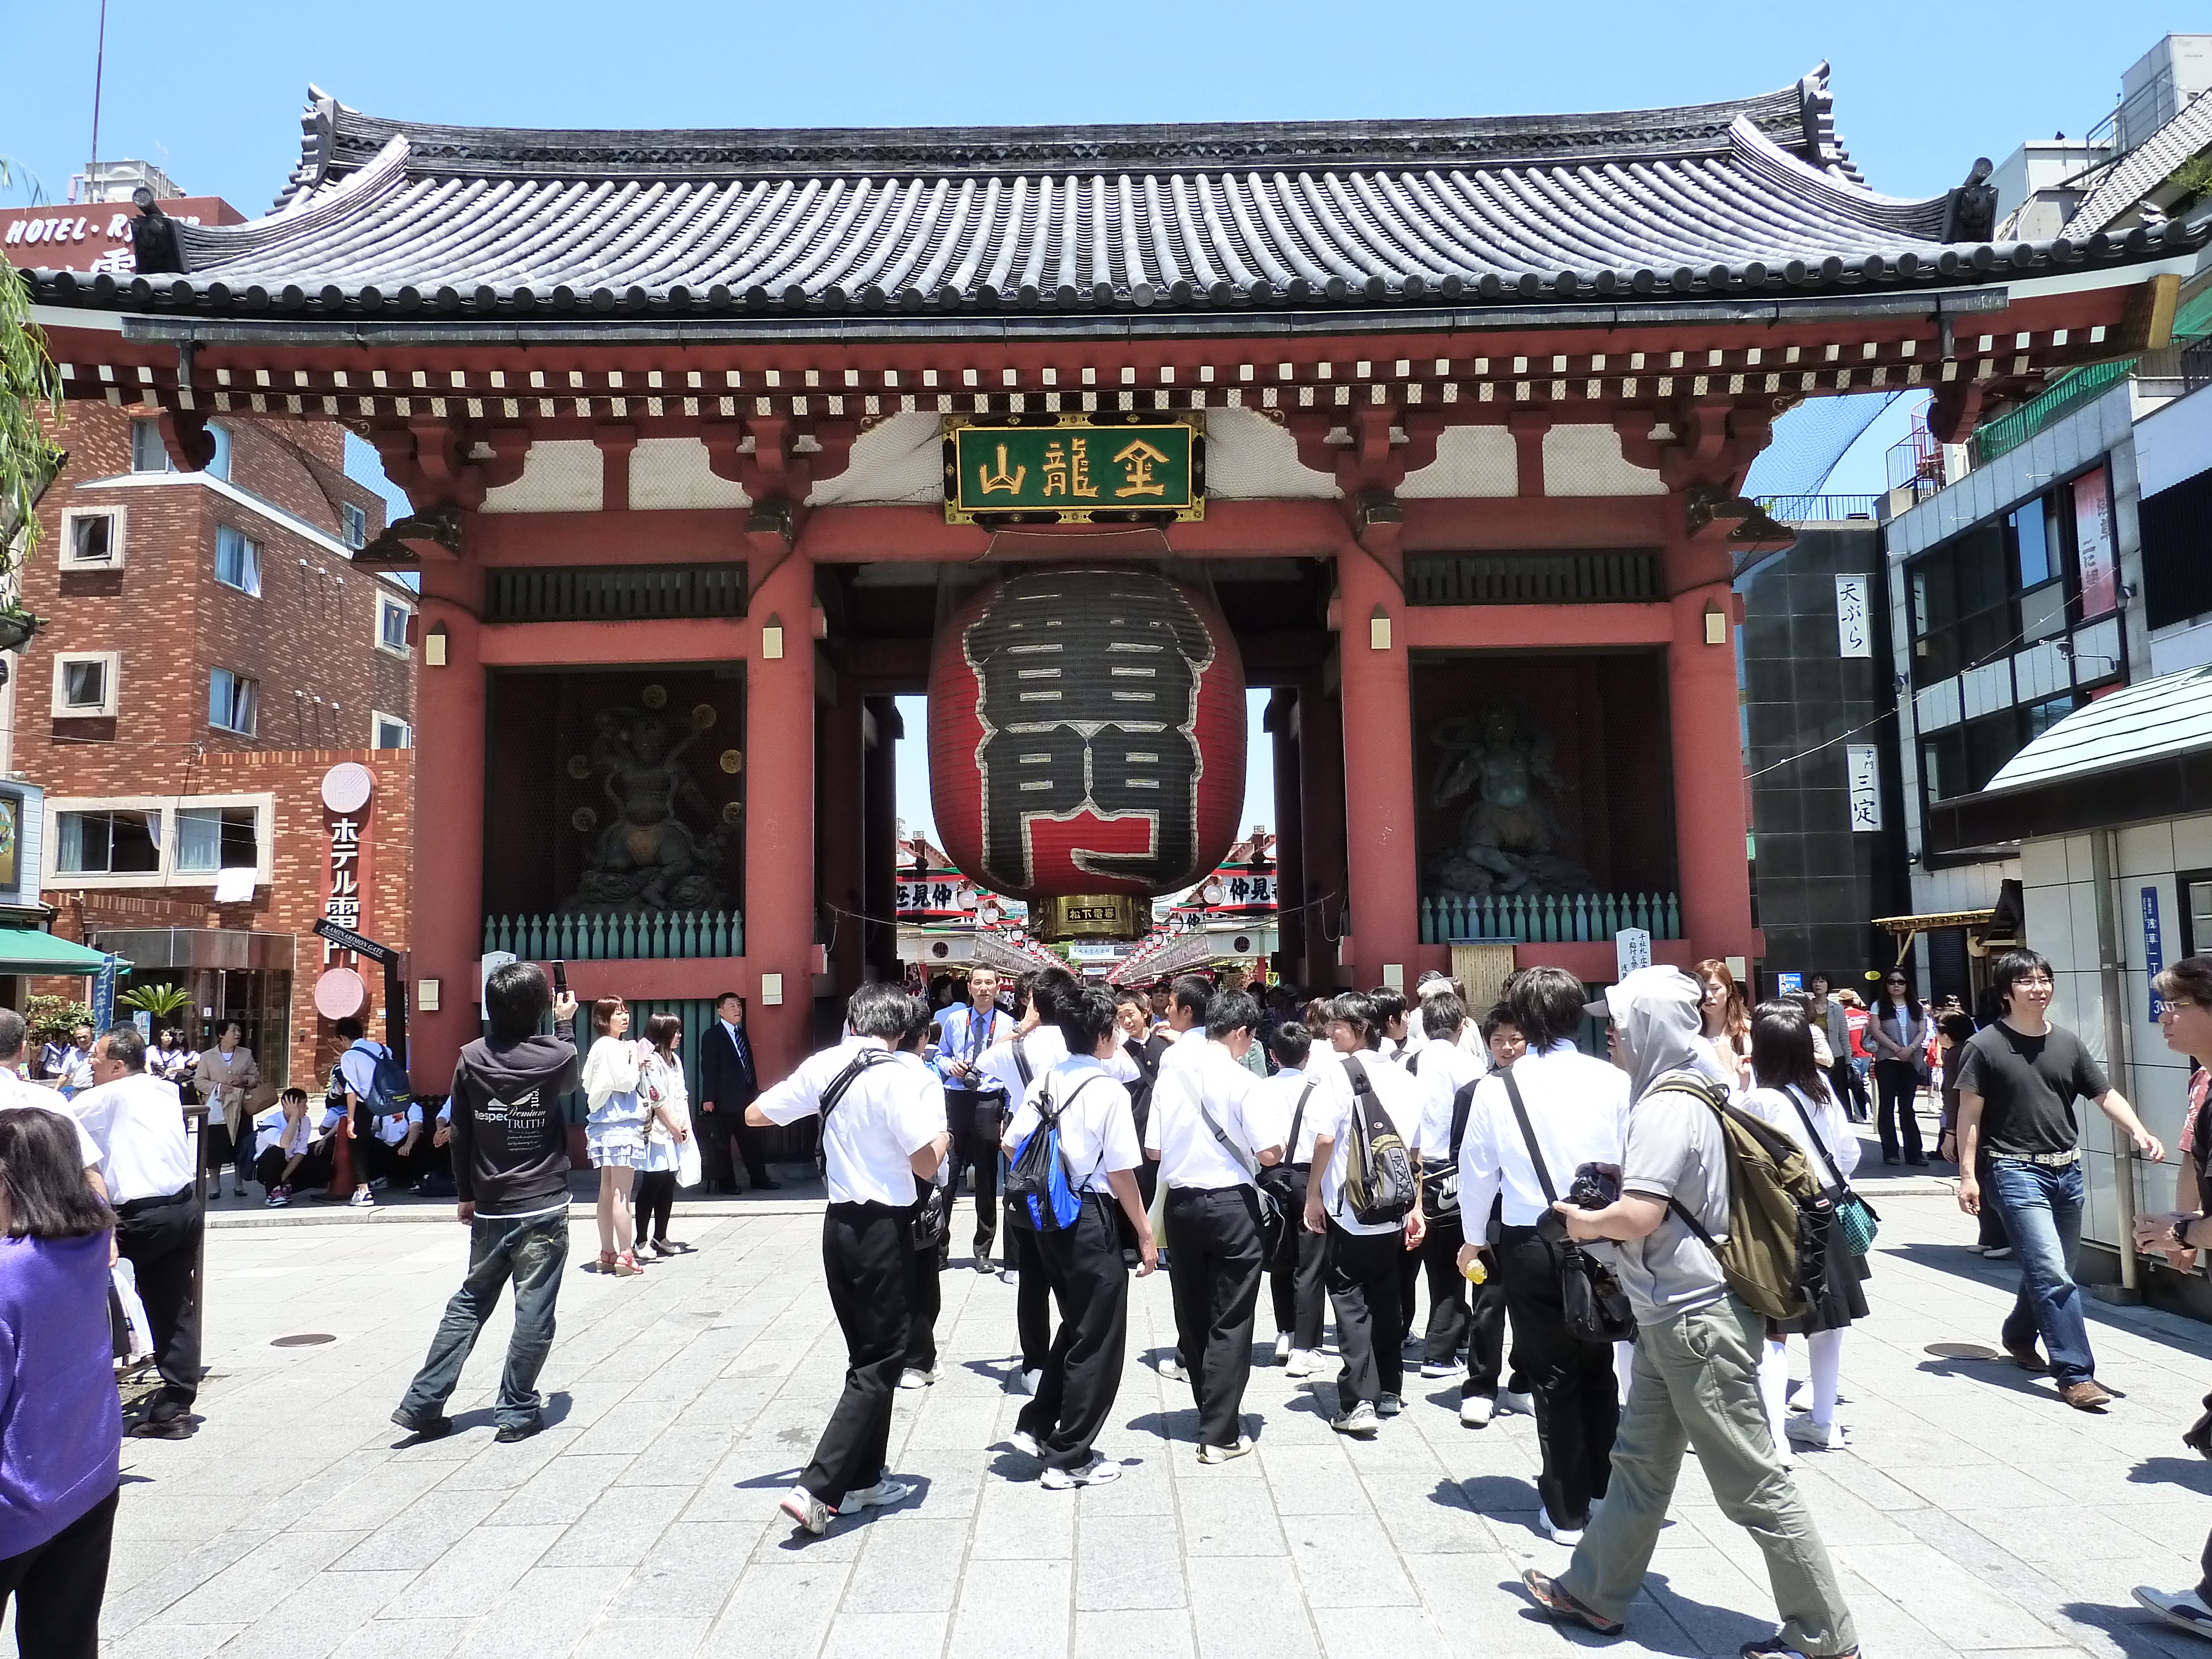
[1099, 468]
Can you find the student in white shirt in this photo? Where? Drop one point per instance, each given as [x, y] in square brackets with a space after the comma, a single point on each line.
[1446, 1074]
[1082, 1261]
[1363, 1255]
[880, 1128]
[15, 1093]
[1577, 1110]
[1392, 1026]
[1297, 1276]
[1212, 1130]
[283, 1145]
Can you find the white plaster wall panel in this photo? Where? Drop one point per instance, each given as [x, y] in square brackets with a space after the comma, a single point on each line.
[1984, 690]
[2050, 922]
[2078, 1002]
[2039, 671]
[2184, 645]
[566, 474]
[2097, 650]
[901, 459]
[2146, 849]
[1471, 461]
[2080, 859]
[2174, 443]
[1935, 707]
[1251, 457]
[2042, 863]
[2192, 845]
[1586, 460]
[669, 473]
[2082, 916]
[2160, 1094]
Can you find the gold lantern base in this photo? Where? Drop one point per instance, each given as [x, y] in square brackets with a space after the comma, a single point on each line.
[1089, 915]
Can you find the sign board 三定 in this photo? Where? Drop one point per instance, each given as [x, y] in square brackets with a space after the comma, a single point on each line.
[1096, 468]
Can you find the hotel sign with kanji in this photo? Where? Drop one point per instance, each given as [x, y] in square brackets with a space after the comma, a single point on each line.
[1074, 468]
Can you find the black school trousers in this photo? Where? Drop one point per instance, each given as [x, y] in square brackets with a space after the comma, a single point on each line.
[1032, 1293]
[1447, 1311]
[1364, 1270]
[925, 1299]
[975, 1122]
[867, 1255]
[1577, 1401]
[1298, 1274]
[1083, 1370]
[1214, 1271]
[57, 1587]
[160, 1239]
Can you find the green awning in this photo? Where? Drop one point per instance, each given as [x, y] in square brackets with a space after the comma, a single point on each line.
[26, 951]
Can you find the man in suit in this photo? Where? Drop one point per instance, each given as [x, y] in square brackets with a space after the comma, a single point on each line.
[727, 1084]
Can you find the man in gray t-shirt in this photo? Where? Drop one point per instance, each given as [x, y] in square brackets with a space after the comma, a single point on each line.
[1697, 1347]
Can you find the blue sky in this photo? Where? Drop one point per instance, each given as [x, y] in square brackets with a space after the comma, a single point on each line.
[212, 93]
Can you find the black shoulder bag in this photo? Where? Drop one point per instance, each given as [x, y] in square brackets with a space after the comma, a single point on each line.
[1440, 1187]
[865, 1060]
[1270, 1210]
[1855, 1217]
[1596, 1307]
[1286, 1181]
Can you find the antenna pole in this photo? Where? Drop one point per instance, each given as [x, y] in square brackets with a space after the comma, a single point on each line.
[98, 69]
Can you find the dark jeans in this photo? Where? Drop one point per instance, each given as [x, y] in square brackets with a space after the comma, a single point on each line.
[867, 1255]
[1992, 1236]
[1298, 1275]
[1577, 1401]
[2041, 1204]
[974, 1121]
[1362, 1288]
[530, 1251]
[1083, 1371]
[57, 1586]
[652, 1201]
[1215, 1274]
[1897, 1083]
[160, 1239]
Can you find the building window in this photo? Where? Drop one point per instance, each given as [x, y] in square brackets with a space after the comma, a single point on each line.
[109, 843]
[2195, 887]
[210, 839]
[390, 732]
[92, 538]
[353, 524]
[237, 561]
[231, 701]
[149, 454]
[392, 625]
[2003, 585]
[85, 684]
[1962, 759]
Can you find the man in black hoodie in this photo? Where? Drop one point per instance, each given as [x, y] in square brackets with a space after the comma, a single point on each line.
[510, 1168]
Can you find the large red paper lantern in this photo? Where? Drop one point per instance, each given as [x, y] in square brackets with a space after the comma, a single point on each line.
[1086, 735]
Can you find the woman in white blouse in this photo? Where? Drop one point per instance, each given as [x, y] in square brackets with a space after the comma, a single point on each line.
[672, 1159]
[1791, 1093]
[615, 1131]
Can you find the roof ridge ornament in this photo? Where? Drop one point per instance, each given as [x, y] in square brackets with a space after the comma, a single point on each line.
[319, 124]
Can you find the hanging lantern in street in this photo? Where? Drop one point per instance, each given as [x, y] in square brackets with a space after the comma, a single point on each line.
[1086, 744]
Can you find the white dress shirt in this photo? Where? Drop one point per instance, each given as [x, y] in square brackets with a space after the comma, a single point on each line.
[1205, 1075]
[1043, 1048]
[17, 1095]
[871, 1133]
[1285, 1090]
[138, 1123]
[1097, 1131]
[1440, 1070]
[1837, 1155]
[1401, 1105]
[1578, 1109]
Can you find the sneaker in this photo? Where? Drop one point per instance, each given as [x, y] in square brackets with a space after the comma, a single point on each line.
[1008, 1276]
[1803, 1432]
[911, 1378]
[1996, 1253]
[1389, 1406]
[983, 1267]
[1223, 1454]
[806, 1510]
[1552, 1529]
[1432, 1367]
[1509, 1401]
[885, 1493]
[1303, 1362]
[1476, 1411]
[423, 1425]
[1283, 1348]
[362, 1198]
[1360, 1420]
[2087, 1395]
[1025, 1442]
[1773, 1647]
[508, 1433]
[2027, 1359]
[278, 1197]
[1028, 1382]
[1101, 1471]
[1172, 1370]
[2186, 1611]
[1562, 1609]
[1058, 1479]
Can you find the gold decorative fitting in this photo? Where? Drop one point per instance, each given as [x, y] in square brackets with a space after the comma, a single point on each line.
[703, 714]
[733, 762]
[580, 767]
[731, 813]
[654, 697]
[583, 820]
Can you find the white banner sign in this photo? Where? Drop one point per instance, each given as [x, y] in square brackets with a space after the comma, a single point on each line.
[1861, 763]
[1854, 628]
[1631, 949]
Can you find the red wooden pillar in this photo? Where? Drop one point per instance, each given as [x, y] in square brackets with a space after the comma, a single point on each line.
[1379, 815]
[1704, 715]
[780, 811]
[1320, 823]
[445, 933]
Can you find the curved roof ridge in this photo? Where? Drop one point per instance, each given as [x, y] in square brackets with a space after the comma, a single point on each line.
[1913, 216]
[308, 211]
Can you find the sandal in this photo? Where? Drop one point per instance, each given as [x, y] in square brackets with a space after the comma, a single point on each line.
[626, 1266]
[606, 1261]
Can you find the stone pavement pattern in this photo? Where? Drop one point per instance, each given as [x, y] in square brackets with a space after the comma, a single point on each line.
[1974, 1515]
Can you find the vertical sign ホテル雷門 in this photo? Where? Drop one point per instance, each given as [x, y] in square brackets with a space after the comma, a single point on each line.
[347, 788]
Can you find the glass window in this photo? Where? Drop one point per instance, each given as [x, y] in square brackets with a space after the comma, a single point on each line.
[2196, 905]
[2031, 546]
[213, 838]
[2045, 715]
[392, 625]
[237, 561]
[84, 684]
[2043, 612]
[355, 522]
[92, 538]
[148, 453]
[231, 699]
[391, 733]
[110, 843]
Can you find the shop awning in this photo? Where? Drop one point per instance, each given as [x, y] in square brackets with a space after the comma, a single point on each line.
[26, 951]
[1928, 924]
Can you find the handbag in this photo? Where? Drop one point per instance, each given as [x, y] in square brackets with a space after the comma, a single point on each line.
[1286, 1183]
[1440, 1188]
[1270, 1210]
[1853, 1217]
[1596, 1307]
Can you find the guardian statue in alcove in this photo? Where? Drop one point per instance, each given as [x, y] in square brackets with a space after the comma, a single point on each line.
[1508, 838]
[648, 858]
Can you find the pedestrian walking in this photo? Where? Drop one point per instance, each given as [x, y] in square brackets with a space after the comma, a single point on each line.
[1212, 1130]
[1834, 1020]
[1791, 1093]
[932, 1220]
[1080, 1256]
[61, 1425]
[1445, 1074]
[1726, 1023]
[2017, 1086]
[727, 1084]
[975, 1104]
[1696, 1346]
[1898, 1037]
[138, 1124]
[1296, 1273]
[510, 1153]
[881, 1127]
[1145, 1048]
[672, 1155]
[614, 1132]
[1533, 1127]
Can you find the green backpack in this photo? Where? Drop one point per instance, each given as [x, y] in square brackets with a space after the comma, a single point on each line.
[1775, 1254]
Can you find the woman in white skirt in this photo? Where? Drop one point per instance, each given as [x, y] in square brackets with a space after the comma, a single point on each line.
[615, 1131]
[671, 1157]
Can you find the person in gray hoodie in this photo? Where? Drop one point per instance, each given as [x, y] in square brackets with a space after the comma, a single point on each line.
[510, 1151]
[1696, 1381]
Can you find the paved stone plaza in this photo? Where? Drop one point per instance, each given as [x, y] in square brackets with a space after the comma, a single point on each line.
[1975, 1513]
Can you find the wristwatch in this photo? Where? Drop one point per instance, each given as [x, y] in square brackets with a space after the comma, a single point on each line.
[2180, 1232]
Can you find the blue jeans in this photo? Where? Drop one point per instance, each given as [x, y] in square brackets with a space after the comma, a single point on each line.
[2041, 1208]
[532, 1253]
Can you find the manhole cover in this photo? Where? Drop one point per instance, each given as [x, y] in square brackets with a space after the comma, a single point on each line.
[304, 1340]
[1960, 1351]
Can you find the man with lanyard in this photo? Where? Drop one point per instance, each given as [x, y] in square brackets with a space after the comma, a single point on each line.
[727, 1083]
[879, 1130]
[138, 1122]
[1211, 1129]
[1446, 1074]
[974, 1102]
[356, 1077]
[2018, 1081]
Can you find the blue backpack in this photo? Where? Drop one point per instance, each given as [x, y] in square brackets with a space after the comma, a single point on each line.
[1039, 1180]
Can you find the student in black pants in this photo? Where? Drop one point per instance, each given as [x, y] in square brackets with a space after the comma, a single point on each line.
[1012, 1067]
[933, 1231]
[881, 1127]
[1296, 1275]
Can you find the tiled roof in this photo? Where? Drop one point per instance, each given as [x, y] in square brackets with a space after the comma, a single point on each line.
[2142, 169]
[2169, 715]
[1750, 199]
